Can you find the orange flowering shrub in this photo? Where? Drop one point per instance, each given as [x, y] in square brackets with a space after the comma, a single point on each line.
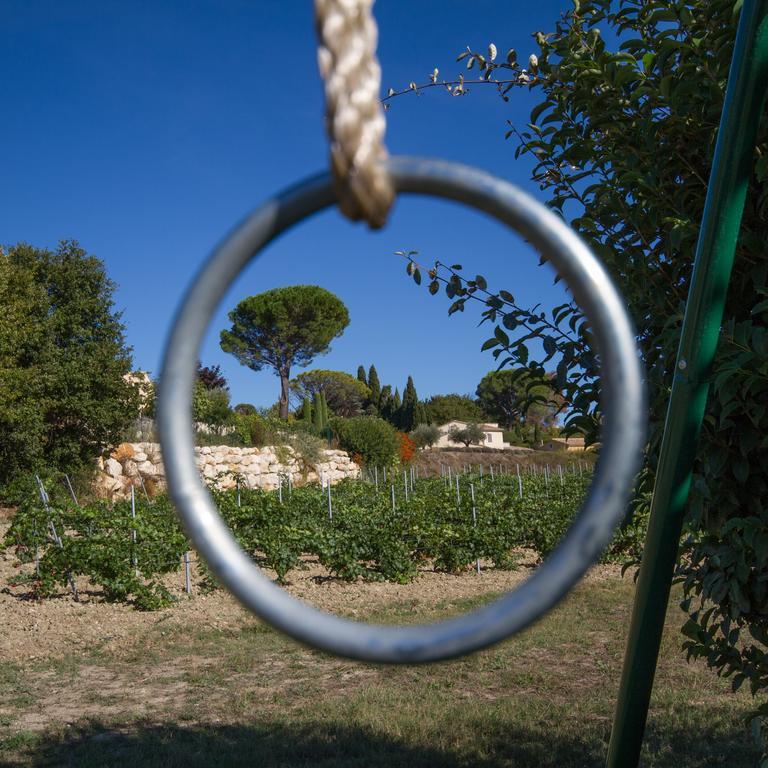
[407, 447]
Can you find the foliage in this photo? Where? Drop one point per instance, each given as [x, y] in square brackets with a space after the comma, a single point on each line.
[385, 401]
[320, 412]
[445, 408]
[258, 431]
[63, 357]
[517, 397]
[211, 377]
[122, 554]
[304, 442]
[406, 449]
[472, 433]
[250, 428]
[372, 438]
[245, 409]
[425, 435]
[374, 385]
[531, 435]
[210, 406]
[623, 139]
[366, 538]
[406, 417]
[344, 394]
[283, 328]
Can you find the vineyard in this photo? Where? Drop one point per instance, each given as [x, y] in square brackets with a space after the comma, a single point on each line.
[369, 529]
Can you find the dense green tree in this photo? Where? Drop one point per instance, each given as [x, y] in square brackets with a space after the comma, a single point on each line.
[444, 408]
[407, 415]
[245, 409]
[425, 435]
[317, 412]
[361, 377]
[421, 414]
[390, 410]
[623, 139]
[375, 386]
[306, 410]
[368, 438]
[471, 434]
[518, 396]
[344, 394]
[210, 406]
[385, 400]
[63, 359]
[283, 328]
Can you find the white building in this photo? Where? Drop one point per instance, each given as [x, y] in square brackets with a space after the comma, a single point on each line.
[493, 436]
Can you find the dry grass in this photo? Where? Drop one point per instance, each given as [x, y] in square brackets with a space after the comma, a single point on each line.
[204, 683]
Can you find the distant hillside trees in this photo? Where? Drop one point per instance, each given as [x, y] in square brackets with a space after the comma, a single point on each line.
[444, 408]
[345, 395]
[515, 397]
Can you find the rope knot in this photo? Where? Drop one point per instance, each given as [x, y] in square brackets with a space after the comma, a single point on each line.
[354, 116]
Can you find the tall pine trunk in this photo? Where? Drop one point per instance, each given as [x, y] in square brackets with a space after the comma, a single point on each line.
[285, 374]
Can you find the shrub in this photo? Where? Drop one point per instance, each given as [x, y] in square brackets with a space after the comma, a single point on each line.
[210, 407]
[406, 448]
[305, 442]
[372, 438]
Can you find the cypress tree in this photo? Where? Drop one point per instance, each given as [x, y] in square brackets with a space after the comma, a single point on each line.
[420, 414]
[306, 411]
[385, 402]
[408, 410]
[361, 375]
[375, 386]
[324, 405]
[317, 411]
[395, 409]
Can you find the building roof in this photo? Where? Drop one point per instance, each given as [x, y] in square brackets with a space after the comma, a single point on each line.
[485, 427]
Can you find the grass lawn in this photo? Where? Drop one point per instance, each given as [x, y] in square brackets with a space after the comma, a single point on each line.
[194, 694]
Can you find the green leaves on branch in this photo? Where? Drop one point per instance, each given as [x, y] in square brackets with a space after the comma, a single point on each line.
[563, 336]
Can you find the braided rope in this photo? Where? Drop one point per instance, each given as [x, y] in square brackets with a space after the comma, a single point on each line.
[354, 116]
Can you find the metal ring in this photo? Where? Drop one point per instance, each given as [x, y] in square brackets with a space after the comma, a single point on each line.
[623, 401]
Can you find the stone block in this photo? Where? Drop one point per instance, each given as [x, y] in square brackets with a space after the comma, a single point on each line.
[147, 469]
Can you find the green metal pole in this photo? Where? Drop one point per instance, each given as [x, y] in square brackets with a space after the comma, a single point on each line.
[734, 152]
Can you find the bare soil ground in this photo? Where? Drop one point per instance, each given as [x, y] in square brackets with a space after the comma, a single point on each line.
[430, 461]
[51, 628]
[204, 682]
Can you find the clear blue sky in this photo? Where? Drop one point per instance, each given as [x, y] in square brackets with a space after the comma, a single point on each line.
[146, 130]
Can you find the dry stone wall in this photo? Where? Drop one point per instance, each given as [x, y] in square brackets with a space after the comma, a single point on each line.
[136, 463]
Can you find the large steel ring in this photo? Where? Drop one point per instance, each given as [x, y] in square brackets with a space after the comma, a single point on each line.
[623, 429]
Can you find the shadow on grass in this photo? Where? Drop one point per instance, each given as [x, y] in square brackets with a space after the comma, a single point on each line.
[330, 745]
